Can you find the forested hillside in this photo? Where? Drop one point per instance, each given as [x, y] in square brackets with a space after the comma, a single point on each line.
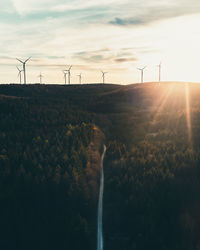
[152, 166]
[46, 202]
[153, 171]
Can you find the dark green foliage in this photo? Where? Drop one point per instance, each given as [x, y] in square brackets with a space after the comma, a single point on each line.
[44, 197]
[152, 166]
[153, 172]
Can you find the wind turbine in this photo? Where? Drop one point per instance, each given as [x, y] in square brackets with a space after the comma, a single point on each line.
[80, 78]
[103, 76]
[65, 73]
[142, 73]
[40, 76]
[24, 67]
[69, 74]
[20, 74]
[160, 67]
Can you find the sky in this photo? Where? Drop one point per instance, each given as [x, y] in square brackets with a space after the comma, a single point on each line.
[116, 36]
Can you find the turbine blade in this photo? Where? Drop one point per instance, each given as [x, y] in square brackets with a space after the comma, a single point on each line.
[28, 59]
[19, 60]
[69, 68]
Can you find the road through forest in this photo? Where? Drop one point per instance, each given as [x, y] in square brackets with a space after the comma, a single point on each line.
[100, 206]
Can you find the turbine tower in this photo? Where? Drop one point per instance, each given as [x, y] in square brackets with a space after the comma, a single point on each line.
[160, 67]
[103, 76]
[20, 75]
[65, 73]
[80, 78]
[142, 73]
[40, 76]
[69, 74]
[24, 67]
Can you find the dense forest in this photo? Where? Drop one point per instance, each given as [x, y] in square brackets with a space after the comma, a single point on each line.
[46, 202]
[153, 171]
[48, 189]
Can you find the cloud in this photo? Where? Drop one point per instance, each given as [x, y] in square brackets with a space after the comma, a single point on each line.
[126, 22]
[6, 6]
[128, 59]
[105, 56]
[160, 12]
[30, 6]
[6, 57]
[115, 12]
[96, 56]
[56, 57]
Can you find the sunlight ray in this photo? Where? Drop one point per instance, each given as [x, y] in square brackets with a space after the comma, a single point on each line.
[160, 106]
[188, 113]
